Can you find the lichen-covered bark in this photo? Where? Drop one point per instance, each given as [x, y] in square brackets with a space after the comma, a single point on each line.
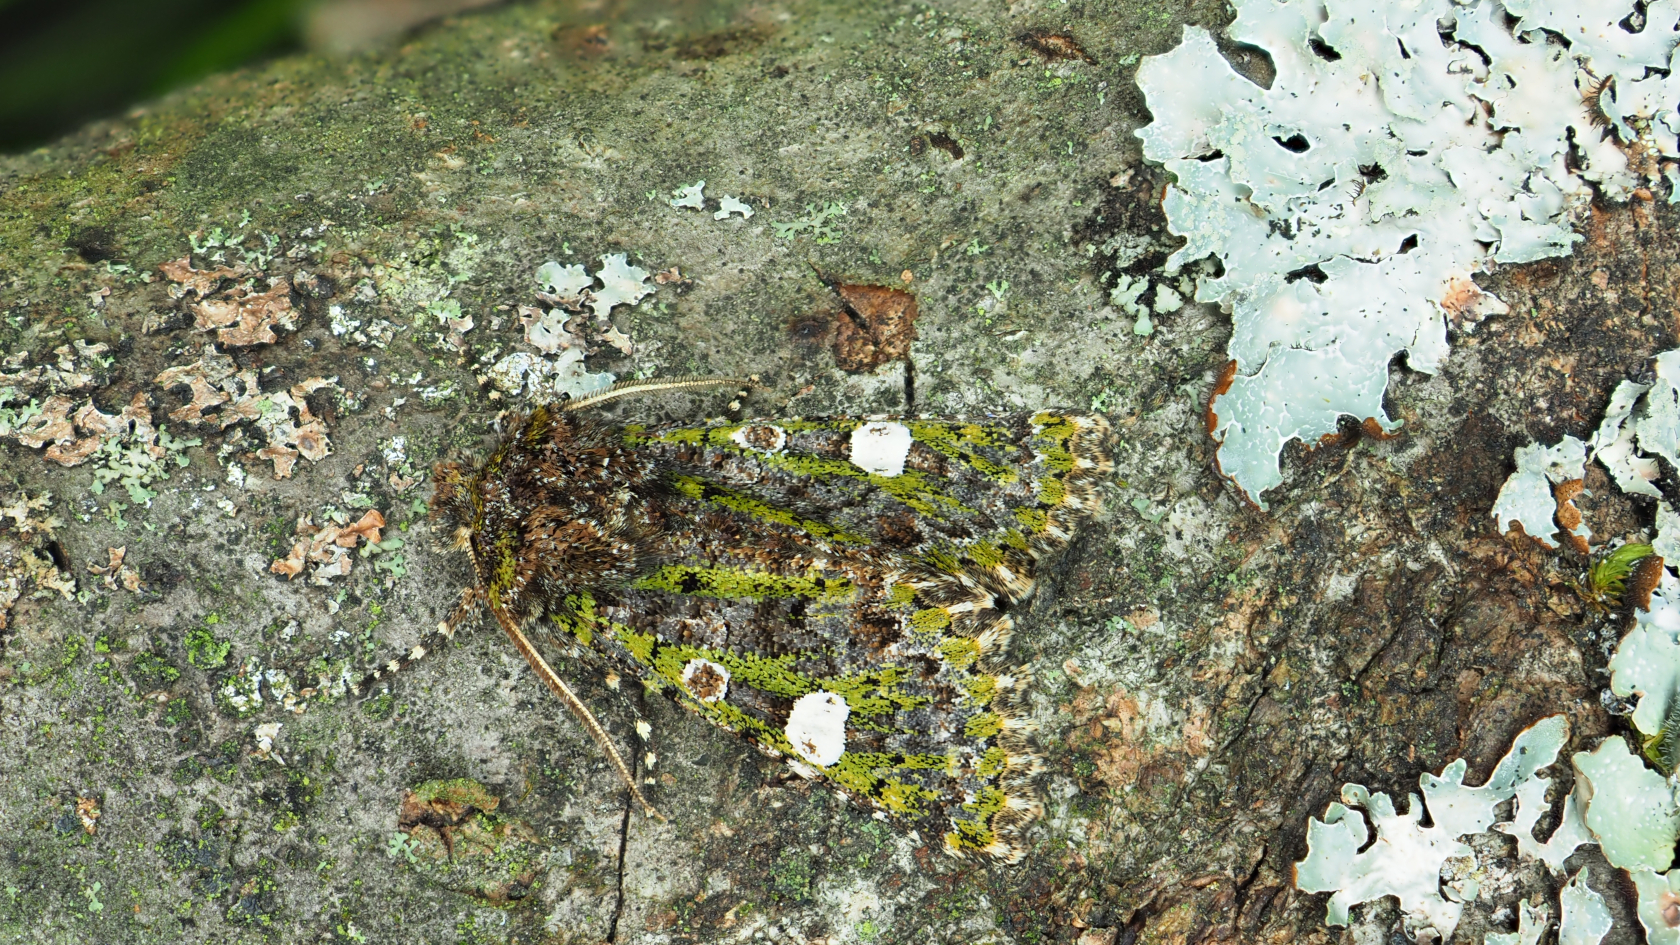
[1207, 676]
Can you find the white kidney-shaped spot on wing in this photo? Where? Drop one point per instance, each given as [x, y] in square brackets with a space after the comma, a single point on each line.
[760, 438]
[706, 680]
[880, 447]
[817, 727]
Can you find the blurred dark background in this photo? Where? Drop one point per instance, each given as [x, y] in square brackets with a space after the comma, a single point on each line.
[64, 63]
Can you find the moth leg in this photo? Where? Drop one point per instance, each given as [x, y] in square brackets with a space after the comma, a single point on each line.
[523, 644]
[429, 642]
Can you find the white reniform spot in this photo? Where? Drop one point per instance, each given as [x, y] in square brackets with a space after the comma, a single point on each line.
[880, 447]
[708, 681]
[817, 727]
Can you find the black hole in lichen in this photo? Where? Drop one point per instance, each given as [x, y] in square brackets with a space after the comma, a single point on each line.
[1635, 22]
[1408, 244]
[1404, 53]
[1322, 50]
[1294, 143]
[1213, 155]
[1372, 173]
[1310, 273]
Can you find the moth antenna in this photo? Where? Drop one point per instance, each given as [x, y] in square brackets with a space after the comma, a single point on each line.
[430, 641]
[523, 644]
[657, 385]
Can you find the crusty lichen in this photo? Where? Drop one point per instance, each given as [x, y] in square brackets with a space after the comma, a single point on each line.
[27, 568]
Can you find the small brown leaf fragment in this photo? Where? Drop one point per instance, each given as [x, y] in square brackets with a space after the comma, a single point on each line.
[1568, 515]
[584, 40]
[116, 571]
[1374, 430]
[877, 326]
[367, 527]
[1052, 45]
[283, 457]
[327, 546]
[201, 376]
[1464, 300]
[291, 565]
[311, 440]
[75, 453]
[51, 425]
[618, 339]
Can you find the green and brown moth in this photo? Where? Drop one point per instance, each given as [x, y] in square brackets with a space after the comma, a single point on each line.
[839, 591]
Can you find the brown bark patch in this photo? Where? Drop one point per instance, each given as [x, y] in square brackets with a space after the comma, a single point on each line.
[1053, 45]
[876, 326]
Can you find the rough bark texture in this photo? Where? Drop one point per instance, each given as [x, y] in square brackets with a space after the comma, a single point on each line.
[1208, 676]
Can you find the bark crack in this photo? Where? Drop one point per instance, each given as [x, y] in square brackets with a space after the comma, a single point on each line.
[623, 849]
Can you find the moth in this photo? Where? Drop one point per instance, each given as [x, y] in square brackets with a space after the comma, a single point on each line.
[839, 591]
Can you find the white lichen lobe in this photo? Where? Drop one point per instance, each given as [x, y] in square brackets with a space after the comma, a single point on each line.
[1400, 150]
[1407, 857]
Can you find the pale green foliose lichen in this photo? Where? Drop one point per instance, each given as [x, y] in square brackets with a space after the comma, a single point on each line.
[1351, 202]
[1531, 925]
[1526, 498]
[1659, 897]
[558, 371]
[1406, 859]
[1613, 443]
[1586, 919]
[1646, 664]
[1642, 423]
[1630, 808]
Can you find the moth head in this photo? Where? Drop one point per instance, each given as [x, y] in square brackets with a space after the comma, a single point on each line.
[452, 502]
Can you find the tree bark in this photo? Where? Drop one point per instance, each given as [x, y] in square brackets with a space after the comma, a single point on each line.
[1207, 675]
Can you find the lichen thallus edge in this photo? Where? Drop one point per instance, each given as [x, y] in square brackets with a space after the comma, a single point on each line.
[839, 591]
